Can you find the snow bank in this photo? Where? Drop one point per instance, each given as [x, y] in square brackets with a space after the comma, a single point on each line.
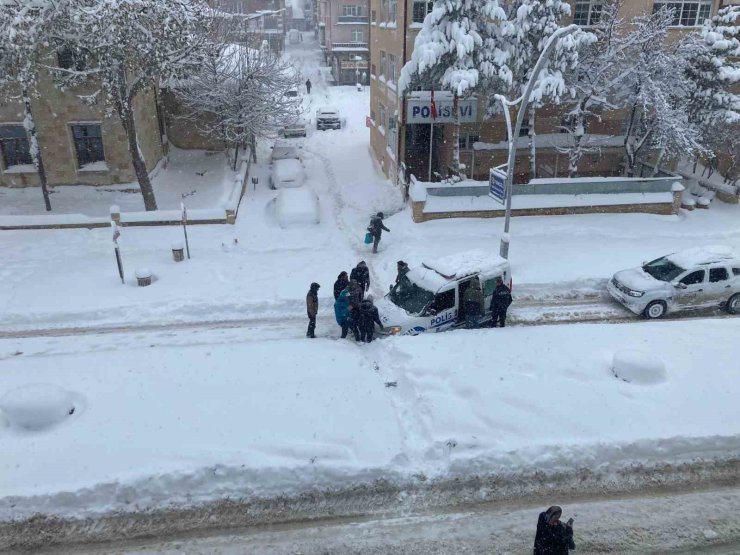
[638, 367]
[37, 406]
[297, 207]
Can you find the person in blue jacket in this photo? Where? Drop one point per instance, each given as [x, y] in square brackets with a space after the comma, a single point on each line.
[341, 311]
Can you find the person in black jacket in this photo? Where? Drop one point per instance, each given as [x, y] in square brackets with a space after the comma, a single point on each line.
[312, 309]
[553, 537]
[368, 318]
[376, 229]
[402, 269]
[361, 274]
[500, 303]
[355, 299]
[341, 284]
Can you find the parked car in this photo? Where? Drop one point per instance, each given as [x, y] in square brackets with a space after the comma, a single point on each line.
[689, 279]
[429, 297]
[328, 118]
[284, 150]
[297, 129]
[287, 173]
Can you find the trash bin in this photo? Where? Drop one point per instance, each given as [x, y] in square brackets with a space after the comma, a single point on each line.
[144, 277]
[178, 251]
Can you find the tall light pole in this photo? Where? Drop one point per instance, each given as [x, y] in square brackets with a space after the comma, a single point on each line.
[523, 101]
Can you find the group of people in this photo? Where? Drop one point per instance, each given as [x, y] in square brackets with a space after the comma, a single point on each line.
[473, 303]
[353, 309]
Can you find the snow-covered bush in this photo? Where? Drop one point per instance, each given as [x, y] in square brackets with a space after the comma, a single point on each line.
[638, 367]
[37, 406]
[297, 207]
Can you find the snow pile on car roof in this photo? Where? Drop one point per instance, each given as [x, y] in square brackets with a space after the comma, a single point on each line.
[288, 173]
[701, 255]
[465, 263]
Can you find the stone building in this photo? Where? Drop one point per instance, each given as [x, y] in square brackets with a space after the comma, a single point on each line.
[343, 32]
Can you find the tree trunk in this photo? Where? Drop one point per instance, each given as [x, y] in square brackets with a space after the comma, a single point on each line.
[657, 162]
[629, 155]
[126, 114]
[236, 157]
[30, 125]
[532, 146]
[253, 146]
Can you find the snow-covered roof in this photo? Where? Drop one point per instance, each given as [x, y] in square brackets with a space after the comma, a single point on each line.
[701, 255]
[458, 265]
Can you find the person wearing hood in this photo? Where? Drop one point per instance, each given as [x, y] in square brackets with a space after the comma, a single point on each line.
[500, 302]
[376, 229]
[368, 318]
[361, 274]
[312, 308]
[341, 311]
[553, 537]
[341, 284]
[308, 86]
[473, 303]
[355, 293]
[402, 268]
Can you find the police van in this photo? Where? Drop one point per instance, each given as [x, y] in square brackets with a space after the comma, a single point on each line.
[429, 297]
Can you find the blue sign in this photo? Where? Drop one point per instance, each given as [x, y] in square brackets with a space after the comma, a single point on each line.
[497, 185]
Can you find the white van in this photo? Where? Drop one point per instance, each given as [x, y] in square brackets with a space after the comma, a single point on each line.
[429, 298]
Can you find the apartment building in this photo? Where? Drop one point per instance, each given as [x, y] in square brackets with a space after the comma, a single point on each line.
[343, 33]
[401, 131]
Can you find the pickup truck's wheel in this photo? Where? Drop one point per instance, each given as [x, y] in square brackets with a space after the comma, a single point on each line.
[654, 310]
[733, 305]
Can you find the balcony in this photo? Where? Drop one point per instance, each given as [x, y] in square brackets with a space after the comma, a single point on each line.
[356, 19]
[349, 46]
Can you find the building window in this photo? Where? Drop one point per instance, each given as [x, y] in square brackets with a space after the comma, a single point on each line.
[381, 109]
[392, 133]
[357, 35]
[373, 16]
[524, 129]
[14, 146]
[391, 68]
[392, 7]
[372, 115]
[466, 141]
[69, 59]
[383, 10]
[352, 10]
[687, 14]
[88, 140]
[382, 63]
[421, 9]
[587, 12]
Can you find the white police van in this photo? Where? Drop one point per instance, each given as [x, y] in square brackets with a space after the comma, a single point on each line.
[429, 297]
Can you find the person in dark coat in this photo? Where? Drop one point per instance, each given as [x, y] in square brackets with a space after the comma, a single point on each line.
[356, 294]
[368, 318]
[553, 537]
[402, 269]
[500, 303]
[312, 308]
[361, 274]
[473, 302]
[376, 229]
[308, 86]
[341, 284]
[341, 311]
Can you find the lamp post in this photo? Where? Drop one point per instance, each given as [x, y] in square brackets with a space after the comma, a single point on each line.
[523, 101]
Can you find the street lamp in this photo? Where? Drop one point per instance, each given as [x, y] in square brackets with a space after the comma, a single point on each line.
[523, 101]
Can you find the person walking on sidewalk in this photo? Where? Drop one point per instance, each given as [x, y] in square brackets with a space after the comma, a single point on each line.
[361, 274]
[308, 86]
[341, 311]
[473, 303]
[368, 318]
[312, 308]
[376, 229]
[500, 303]
[553, 537]
[341, 284]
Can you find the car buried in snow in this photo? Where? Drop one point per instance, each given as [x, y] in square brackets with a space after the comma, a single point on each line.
[429, 297]
[701, 277]
[328, 118]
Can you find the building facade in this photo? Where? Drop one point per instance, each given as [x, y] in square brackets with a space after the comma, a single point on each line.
[401, 145]
[344, 34]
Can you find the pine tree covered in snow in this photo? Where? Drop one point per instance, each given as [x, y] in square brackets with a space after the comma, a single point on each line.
[24, 26]
[129, 47]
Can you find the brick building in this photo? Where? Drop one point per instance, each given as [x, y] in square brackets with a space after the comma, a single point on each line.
[343, 33]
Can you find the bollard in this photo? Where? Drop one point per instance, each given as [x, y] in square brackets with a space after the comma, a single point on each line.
[178, 251]
[144, 277]
[677, 190]
[115, 214]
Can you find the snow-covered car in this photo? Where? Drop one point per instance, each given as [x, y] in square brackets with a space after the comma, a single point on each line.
[287, 173]
[297, 129]
[284, 150]
[694, 278]
[328, 118]
[429, 297]
[297, 207]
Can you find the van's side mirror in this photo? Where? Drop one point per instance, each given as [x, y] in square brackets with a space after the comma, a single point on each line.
[679, 285]
[390, 287]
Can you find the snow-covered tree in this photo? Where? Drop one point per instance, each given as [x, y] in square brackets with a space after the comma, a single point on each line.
[129, 46]
[240, 94]
[23, 29]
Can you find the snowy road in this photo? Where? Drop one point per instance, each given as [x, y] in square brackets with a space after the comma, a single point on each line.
[696, 522]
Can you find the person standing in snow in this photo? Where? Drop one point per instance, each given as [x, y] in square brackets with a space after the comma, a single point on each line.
[500, 303]
[473, 302]
[341, 311]
[553, 537]
[356, 293]
[402, 269]
[308, 86]
[368, 318]
[376, 229]
[312, 309]
[341, 284]
[361, 274]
